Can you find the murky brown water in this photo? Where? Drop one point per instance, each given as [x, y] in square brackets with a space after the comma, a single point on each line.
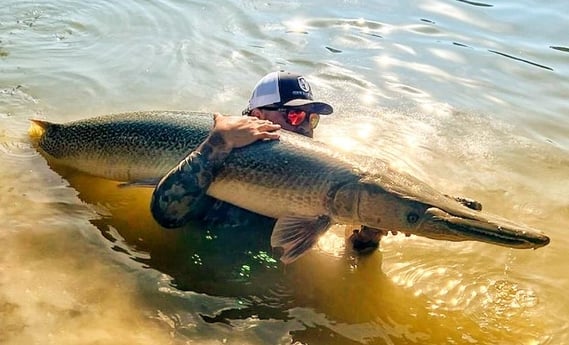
[470, 96]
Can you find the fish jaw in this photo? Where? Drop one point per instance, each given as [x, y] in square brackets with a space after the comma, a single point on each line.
[440, 225]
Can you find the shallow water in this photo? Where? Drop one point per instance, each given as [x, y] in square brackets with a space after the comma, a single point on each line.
[469, 96]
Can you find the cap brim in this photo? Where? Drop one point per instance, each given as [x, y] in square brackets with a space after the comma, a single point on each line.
[315, 107]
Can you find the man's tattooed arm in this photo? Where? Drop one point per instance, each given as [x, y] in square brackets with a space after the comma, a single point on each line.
[181, 194]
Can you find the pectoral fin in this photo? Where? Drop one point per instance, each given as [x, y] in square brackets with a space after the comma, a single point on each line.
[145, 183]
[296, 235]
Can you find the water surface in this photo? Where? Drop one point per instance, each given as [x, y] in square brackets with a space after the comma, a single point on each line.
[470, 96]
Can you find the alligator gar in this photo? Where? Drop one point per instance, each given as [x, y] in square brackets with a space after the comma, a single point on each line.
[304, 184]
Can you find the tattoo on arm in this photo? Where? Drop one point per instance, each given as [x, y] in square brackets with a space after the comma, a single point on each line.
[181, 194]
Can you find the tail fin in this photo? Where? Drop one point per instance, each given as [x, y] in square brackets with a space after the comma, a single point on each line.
[38, 128]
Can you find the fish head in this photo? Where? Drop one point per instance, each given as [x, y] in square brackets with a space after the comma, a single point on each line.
[381, 209]
[440, 218]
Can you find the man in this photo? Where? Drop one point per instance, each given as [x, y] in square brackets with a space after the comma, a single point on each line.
[280, 100]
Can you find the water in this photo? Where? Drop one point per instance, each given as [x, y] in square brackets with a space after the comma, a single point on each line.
[469, 96]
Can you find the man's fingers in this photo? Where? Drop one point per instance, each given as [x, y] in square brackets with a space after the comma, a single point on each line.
[268, 135]
[269, 126]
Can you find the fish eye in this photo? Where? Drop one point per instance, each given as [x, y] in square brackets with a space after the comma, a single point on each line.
[412, 218]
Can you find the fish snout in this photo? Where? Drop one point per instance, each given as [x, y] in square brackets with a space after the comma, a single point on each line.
[441, 225]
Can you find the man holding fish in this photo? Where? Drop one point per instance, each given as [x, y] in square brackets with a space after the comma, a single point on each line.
[305, 185]
[280, 100]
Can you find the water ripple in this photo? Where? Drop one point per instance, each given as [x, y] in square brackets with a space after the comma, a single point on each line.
[520, 59]
[474, 3]
[43, 37]
[563, 49]
[490, 298]
[16, 95]
[17, 150]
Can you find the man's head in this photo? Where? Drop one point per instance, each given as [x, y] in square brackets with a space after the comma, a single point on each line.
[286, 98]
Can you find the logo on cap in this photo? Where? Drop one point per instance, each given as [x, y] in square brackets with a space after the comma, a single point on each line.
[303, 84]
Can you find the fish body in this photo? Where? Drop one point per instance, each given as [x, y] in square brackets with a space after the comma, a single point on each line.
[304, 184]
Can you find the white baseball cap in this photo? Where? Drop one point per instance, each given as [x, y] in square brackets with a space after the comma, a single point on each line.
[285, 89]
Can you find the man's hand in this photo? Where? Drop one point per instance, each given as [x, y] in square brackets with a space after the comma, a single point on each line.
[242, 131]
